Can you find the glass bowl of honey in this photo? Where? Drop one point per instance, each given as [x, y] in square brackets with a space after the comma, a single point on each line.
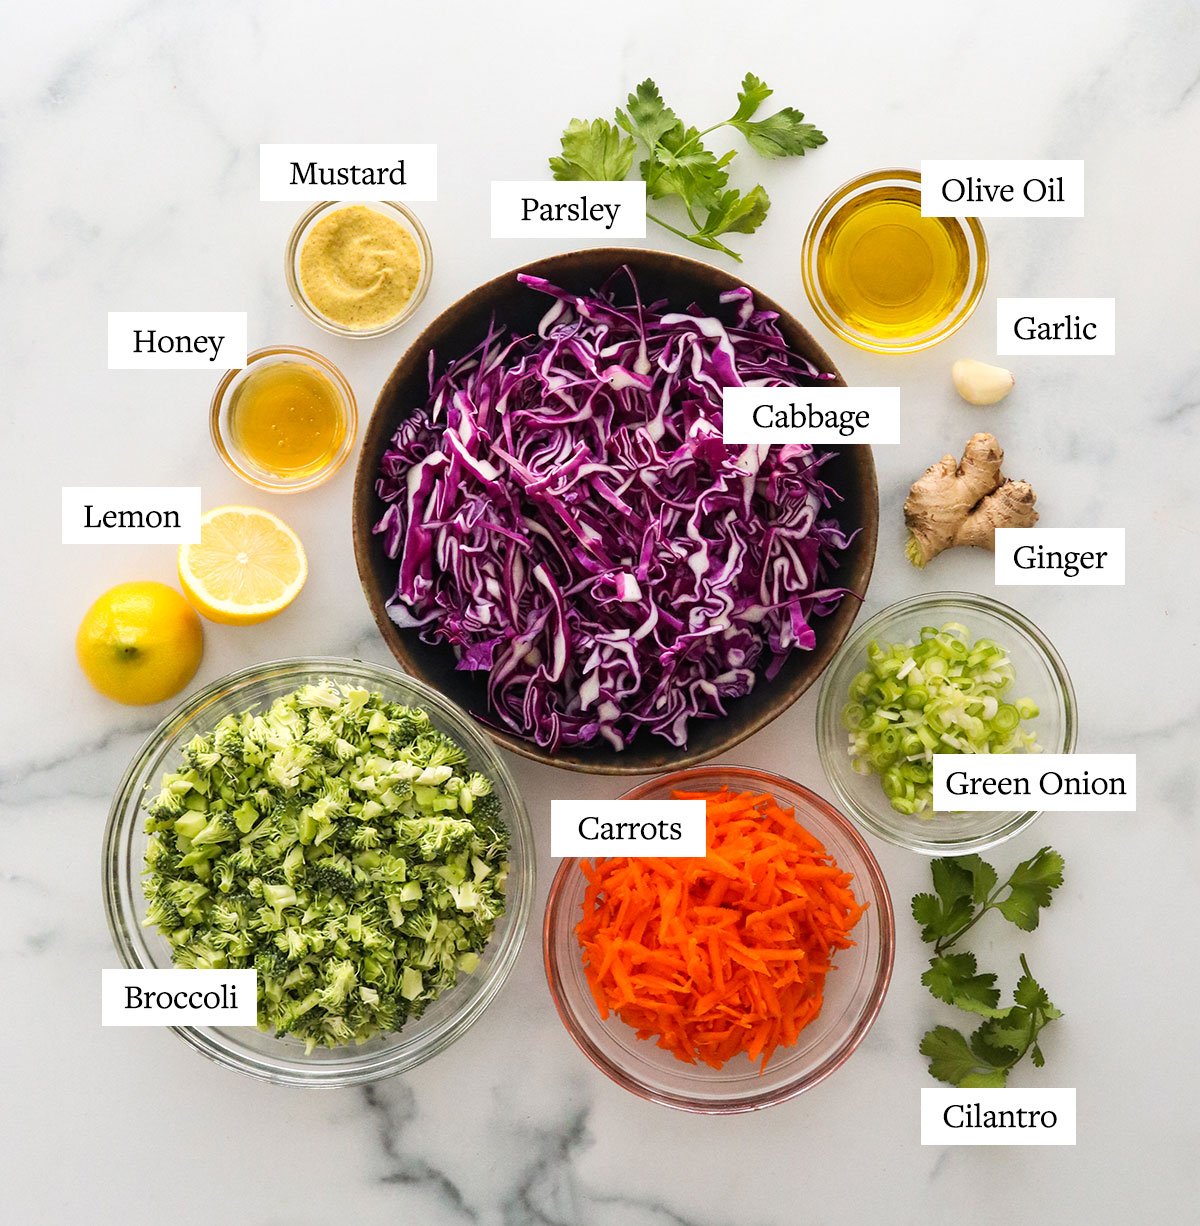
[883, 277]
[286, 420]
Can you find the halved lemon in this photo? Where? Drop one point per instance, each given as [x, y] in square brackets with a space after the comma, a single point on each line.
[248, 566]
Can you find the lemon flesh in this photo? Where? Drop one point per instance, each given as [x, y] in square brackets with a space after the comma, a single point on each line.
[247, 566]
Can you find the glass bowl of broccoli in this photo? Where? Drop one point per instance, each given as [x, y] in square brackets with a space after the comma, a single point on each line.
[346, 832]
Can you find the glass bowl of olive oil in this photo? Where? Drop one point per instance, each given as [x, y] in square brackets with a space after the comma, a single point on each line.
[286, 420]
[883, 277]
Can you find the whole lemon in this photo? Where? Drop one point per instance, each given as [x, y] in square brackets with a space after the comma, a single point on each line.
[140, 643]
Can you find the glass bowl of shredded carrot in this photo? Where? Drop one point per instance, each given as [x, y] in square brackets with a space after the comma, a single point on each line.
[732, 982]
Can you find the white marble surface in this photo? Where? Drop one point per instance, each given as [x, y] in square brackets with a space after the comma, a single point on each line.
[128, 179]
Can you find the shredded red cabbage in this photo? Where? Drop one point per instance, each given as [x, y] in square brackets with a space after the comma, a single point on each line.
[567, 518]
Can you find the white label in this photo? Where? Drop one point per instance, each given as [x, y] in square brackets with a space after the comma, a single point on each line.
[673, 828]
[997, 1117]
[1056, 325]
[176, 340]
[579, 209]
[1058, 782]
[810, 415]
[1060, 557]
[995, 188]
[178, 998]
[130, 514]
[347, 172]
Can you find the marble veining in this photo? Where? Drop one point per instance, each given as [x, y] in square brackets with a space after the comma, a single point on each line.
[129, 179]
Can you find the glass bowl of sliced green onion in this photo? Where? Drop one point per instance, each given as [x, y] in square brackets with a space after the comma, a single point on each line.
[944, 673]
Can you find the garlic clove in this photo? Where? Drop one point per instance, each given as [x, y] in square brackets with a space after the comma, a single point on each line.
[979, 383]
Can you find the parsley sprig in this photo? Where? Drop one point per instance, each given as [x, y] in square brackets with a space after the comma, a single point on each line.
[677, 164]
[965, 890]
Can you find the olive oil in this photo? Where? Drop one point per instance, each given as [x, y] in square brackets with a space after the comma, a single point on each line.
[287, 418]
[886, 271]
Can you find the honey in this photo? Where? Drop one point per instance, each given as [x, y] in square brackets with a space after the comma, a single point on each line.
[287, 419]
[888, 272]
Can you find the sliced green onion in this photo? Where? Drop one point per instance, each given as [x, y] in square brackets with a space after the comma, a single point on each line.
[861, 686]
[943, 694]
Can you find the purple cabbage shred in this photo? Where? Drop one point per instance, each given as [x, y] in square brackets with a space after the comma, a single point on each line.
[567, 519]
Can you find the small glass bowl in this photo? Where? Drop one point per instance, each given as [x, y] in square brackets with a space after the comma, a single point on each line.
[251, 1051]
[220, 424]
[967, 229]
[854, 989]
[391, 208]
[1040, 676]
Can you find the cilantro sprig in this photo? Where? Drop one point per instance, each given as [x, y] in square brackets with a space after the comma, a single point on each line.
[965, 890]
[676, 163]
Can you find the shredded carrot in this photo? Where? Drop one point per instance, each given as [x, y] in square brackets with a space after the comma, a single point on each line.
[723, 955]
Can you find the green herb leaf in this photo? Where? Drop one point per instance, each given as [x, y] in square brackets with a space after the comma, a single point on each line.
[751, 96]
[595, 151]
[951, 879]
[986, 1079]
[648, 117]
[678, 163]
[1011, 1032]
[983, 877]
[966, 891]
[1017, 1028]
[927, 910]
[784, 134]
[951, 910]
[1032, 996]
[685, 168]
[732, 213]
[951, 1060]
[990, 1050]
[735, 213]
[941, 918]
[954, 979]
[1031, 885]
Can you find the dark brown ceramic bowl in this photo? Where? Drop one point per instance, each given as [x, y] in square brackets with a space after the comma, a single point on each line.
[457, 330]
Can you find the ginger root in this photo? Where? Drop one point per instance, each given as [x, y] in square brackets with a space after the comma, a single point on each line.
[963, 503]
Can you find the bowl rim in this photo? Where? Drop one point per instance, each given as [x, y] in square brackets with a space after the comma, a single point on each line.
[884, 909]
[124, 809]
[363, 517]
[973, 233]
[826, 716]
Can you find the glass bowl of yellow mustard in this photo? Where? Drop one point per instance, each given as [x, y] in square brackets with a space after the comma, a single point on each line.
[358, 268]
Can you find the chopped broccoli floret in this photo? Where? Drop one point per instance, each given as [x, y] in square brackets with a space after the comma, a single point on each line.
[330, 880]
[340, 846]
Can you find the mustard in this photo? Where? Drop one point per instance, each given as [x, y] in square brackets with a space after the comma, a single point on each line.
[358, 267]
